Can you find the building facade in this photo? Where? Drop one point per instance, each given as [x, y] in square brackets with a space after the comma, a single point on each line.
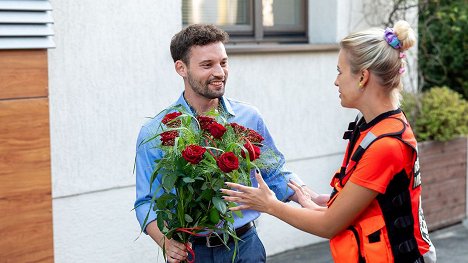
[110, 68]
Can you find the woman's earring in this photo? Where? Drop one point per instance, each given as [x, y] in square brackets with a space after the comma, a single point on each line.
[360, 81]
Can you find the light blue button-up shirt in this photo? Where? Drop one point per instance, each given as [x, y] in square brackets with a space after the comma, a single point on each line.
[238, 112]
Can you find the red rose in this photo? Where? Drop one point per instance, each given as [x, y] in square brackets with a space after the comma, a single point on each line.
[193, 153]
[254, 151]
[217, 130]
[171, 116]
[168, 138]
[205, 122]
[254, 136]
[227, 162]
[238, 129]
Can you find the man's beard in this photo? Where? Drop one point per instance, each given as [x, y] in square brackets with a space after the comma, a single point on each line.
[203, 89]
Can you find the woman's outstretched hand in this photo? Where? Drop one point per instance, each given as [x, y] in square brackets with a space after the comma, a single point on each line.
[260, 199]
[303, 196]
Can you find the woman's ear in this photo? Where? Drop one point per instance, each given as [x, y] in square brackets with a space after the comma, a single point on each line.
[181, 68]
[364, 77]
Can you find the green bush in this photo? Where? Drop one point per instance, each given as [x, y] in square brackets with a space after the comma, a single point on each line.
[442, 44]
[438, 114]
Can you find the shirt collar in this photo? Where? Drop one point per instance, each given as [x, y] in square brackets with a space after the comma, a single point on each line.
[364, 126]
[225, 104]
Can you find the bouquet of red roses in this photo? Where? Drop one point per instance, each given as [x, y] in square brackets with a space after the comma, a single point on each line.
[200, 154]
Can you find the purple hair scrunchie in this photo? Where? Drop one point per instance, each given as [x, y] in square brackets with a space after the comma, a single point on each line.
[392, 38]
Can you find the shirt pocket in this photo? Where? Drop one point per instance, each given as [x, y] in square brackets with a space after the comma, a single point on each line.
[376, 247]
[345, 246]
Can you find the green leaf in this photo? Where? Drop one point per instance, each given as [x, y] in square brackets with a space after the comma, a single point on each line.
[180, 212]
[217, 184]
[209, 157]
[169, 215]
[219, 204]
[188, 218]
[197, 216]
[207, 194]
[163, 201]
[180, 163]
[160, 222]
[154, 174]
[230, 219]
[214, 216]
[190, 188]
[188, 180]
[238, 213]
[203, 206]
[169, 181]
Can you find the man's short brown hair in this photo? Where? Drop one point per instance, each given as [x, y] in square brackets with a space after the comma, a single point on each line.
[195, 35]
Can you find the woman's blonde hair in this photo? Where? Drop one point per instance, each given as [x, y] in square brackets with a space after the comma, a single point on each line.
[370, 50]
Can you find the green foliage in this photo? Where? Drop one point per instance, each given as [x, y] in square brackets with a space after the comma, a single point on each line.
[442, 49]
[438, 114]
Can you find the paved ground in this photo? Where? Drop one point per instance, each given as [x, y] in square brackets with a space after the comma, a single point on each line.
[451, 246]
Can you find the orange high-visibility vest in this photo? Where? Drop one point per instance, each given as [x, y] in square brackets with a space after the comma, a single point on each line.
[392, 228]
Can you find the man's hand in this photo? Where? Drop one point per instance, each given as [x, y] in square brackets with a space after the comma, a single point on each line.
[175, 251]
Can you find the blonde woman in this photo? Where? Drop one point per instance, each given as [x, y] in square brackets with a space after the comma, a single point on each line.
[374, 213]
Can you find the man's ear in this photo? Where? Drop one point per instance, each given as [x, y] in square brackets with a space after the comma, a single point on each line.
[181, 68]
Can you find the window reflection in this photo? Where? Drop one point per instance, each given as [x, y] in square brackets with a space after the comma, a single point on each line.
[268, 18]
[282, 13]
[219, 12]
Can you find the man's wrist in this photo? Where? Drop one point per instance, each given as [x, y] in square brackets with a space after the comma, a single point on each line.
[154, 232]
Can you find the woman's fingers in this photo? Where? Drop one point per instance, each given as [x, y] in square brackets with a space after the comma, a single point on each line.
[231, 193]
[294, 187]
[233, 196]
[233, 199]
[296, 184]
[239, 207]
[237, 197]
[249, 197]
[260, 180]
[303, 197]
[239, 187]
[238, 200]
[298, 191]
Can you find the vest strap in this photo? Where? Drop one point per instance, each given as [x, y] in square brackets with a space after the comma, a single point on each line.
[358, 241]
[407, 246]
[352, 124]
[368, 140]
[347, 135]
[403, 222]
[399, 200]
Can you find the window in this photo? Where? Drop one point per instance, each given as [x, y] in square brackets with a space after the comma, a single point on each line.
[247, 21]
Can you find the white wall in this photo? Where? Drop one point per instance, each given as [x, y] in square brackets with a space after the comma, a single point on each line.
[300, 104]
[112, 68]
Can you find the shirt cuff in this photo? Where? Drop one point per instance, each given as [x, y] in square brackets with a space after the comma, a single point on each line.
[142, 212]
